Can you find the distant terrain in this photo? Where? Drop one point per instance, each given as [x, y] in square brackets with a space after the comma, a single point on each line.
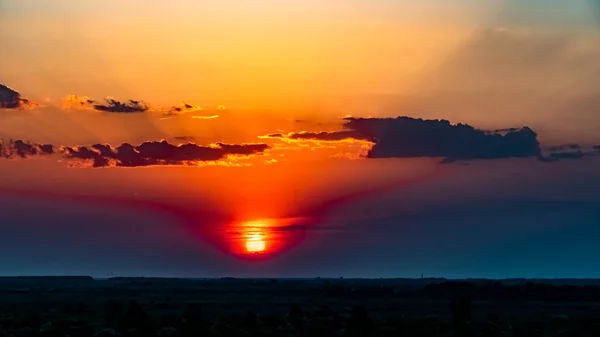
[84, 306]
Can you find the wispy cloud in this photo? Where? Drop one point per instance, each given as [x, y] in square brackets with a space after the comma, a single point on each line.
[109, 105]
[206, 117]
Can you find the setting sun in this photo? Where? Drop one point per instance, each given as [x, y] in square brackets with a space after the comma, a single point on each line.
[255, 243]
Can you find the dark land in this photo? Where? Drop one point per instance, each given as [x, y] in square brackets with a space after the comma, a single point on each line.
[83, 306]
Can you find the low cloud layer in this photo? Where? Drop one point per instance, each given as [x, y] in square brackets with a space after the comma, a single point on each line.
[405, 137]
[11, 99]
[156, 153]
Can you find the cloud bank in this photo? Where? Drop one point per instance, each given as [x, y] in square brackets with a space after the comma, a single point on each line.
[151, 153]
[406, 137]
[157, 153]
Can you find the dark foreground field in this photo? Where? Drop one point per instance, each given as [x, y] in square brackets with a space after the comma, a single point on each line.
[82, 306]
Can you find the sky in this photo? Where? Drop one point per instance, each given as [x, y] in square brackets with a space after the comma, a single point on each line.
[380, 138]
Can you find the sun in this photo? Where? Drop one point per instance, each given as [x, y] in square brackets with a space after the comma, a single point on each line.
[255, 243]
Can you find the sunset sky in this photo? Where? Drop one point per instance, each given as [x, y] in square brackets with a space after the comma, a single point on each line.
[259, 138]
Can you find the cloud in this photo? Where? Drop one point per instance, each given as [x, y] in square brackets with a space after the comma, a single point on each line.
[75, 101]
[110, 104]
[131, 106]
[151, 153]
[11, 99]
[20, 149]
[180, 109]
[158, 153]
[406, 137]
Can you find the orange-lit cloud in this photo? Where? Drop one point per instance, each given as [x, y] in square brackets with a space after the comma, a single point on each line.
[180, 109]
[75, 101]
[333, 136]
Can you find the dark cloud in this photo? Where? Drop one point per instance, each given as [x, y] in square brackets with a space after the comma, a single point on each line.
[20, 149]
[158, 153]
[131, 106]
[406, 137]
[11, 99]
[127, 155]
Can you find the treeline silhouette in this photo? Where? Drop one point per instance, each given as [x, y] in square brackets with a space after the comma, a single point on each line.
[465, 311]
[529, 291]
[489, 290]
[131, 320]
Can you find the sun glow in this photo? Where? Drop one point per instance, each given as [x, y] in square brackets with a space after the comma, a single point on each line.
[257, 240]
[255, 243]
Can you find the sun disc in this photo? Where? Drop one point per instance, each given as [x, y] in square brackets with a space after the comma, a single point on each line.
[255, 244]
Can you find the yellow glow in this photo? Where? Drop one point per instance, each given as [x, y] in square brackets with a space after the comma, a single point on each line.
[255, 243]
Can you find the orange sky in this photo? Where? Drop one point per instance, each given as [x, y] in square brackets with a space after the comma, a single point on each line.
[296, 66]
